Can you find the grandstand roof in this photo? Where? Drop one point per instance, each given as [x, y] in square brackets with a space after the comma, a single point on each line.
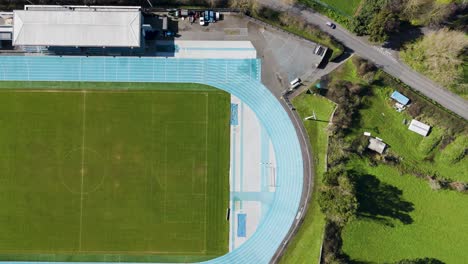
[85, 27]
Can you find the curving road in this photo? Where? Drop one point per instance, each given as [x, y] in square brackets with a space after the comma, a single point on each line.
[382, 57]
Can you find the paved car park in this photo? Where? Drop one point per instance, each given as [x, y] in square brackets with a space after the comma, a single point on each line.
[284, 56]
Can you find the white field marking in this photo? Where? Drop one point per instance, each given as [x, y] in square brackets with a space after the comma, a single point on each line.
[165, 173]
[82, 167]
[152, 165]
[206, 161]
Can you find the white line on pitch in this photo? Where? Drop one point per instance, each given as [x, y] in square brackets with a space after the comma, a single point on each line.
[82, 166]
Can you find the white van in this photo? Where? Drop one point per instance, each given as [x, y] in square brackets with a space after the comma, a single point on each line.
[294, 84]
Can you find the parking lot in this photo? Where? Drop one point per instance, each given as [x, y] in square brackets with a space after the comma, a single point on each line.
[284, 56]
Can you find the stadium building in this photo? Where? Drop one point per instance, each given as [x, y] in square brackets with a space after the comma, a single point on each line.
[77, 26]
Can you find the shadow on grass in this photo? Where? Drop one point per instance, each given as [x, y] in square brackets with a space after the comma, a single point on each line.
[407, 34]
[380, 201]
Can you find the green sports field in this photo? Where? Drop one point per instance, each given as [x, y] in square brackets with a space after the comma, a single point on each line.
[95, 172]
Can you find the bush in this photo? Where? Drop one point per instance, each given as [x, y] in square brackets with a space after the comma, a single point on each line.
[331, 176]
[363, 66]
[455, 151]
[459, 186]
[391, 159]
[245, 6]
[332, 244]
[435, 184]
[360, 144]
[337, 151]
[420, 261]
[429, 143]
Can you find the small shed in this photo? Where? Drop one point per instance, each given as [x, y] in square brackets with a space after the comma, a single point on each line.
[419, 127]
[376, 145]
[400, 98]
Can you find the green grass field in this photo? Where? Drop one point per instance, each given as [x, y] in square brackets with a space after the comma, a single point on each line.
[435, 225]
[305, 246]
[111, 174]
[346, 7]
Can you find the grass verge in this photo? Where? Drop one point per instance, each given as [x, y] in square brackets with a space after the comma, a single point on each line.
[345, 7]
[305, 247]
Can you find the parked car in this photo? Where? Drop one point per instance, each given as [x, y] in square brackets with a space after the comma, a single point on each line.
[169, 34]
[202, 21]
[330, 24]
[319, 50]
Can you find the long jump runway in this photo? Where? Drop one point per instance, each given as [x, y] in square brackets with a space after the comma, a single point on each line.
[240, 77]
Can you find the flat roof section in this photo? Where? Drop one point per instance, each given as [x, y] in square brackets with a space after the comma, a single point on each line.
[86, 28]
[210, 49]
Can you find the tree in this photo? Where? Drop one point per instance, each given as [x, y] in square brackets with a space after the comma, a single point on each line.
[439, 55]
[427, 12]
[415, 9]
[383, 24]
[360, 24]
[339, 202]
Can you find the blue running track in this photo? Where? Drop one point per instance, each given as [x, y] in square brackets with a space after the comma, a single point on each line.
[240, 77]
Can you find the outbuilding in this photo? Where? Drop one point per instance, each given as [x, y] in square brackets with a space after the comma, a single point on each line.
[376, 145]
[400, 98]
[419, 127]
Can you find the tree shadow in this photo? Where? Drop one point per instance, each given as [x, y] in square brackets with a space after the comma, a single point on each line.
[407, 34]
[380, 201]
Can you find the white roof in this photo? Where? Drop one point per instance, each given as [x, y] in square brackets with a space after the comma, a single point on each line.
[211, 49]
[419, 127]
[84, 28]
[376, 145]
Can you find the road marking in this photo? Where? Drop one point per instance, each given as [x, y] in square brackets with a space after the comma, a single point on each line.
[386, 53]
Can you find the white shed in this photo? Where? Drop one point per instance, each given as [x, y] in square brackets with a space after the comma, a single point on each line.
[419, 127]
[376, 145]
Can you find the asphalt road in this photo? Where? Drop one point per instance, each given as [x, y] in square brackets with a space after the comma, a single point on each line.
[383, 58]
